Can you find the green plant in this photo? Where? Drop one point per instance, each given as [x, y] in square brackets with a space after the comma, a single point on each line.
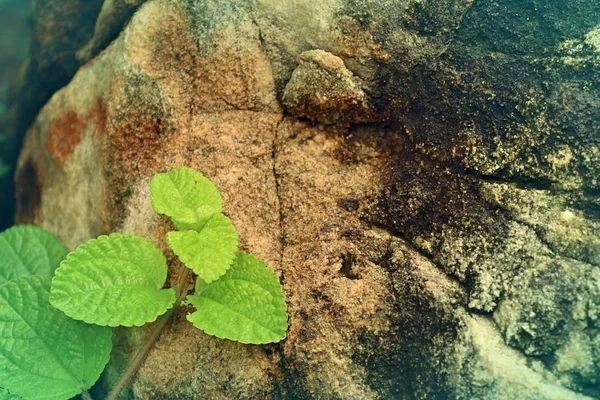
[41, 349]
[55, 339]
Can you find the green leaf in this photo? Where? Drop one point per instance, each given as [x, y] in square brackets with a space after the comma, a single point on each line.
[247, 304]
[43, 353]
[113, 280]
[28, 250]
[210, 252]
[5, 395]
[185, 195]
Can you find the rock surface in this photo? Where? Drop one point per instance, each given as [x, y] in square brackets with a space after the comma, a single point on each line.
[423, 176]
[59, 29]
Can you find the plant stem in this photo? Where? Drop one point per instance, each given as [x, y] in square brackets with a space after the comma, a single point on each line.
[143, 351]
[85, 395]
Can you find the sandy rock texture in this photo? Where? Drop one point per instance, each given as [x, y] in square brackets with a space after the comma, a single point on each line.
[422, 175]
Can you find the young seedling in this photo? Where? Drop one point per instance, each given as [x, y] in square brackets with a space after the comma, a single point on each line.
[55, 340]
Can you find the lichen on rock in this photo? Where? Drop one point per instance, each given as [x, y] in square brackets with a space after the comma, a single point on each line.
[422, 175]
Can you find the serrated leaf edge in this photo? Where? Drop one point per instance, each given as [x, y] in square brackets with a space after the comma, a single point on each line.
[229, 263]
[78, 383]
[22, 231]
[165, 211]
[279, 297]
[113, 235]
[129, 322]
[192, 300]
[108, 322]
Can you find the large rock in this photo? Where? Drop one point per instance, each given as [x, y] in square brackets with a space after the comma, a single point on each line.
[422, 175]
[59, 29]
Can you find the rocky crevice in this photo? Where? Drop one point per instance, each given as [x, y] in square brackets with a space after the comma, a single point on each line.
[277, 178]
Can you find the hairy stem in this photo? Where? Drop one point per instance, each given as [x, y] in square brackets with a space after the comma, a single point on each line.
[85, 395]
[143, 351]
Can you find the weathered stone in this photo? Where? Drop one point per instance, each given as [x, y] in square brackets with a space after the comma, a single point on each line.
[434, 222]
[113, 16]
[324, 90]
[550, 311]
[60, 28]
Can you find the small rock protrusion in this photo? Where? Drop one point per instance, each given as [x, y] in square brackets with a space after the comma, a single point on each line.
[324, 90]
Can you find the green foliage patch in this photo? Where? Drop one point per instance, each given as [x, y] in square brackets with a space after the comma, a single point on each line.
[29, 250]
[246, 304]
[44, 354]
[49, 355]
[187, 196]
[6, 395]
[241, 298]
[55, 338]
[210, 251]
[113, 280]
